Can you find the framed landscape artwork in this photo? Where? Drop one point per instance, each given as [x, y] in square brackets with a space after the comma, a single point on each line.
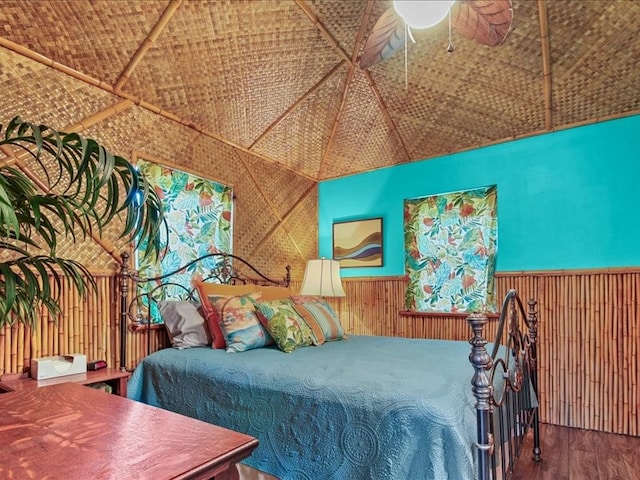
[358, 243]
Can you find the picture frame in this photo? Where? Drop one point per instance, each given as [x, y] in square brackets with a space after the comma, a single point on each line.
[358, 243]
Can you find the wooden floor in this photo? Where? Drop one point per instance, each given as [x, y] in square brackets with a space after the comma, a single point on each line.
[573, 454]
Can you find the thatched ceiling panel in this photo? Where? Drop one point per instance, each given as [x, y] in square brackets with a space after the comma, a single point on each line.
[274, 256]
[340, 18]
[311, 124]
[363, 139]
[230, 69]
[295, 241]
[254, 218]
[97, 38]
[42, 95]
[223, 65]
[302, 226]
[283, 188]
[595, 61]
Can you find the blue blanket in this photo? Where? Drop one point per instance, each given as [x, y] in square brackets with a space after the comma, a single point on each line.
[363, 408]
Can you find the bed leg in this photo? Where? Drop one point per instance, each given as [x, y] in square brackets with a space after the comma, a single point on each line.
[532, 326]
[124, 291]
[482, 390]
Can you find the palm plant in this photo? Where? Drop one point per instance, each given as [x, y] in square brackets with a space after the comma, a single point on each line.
[81, 187]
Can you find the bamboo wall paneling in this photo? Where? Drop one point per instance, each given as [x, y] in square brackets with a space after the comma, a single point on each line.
[588, 334]
[74, 331]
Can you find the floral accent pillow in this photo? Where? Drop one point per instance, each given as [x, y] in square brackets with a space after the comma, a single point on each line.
[288, 329]
[207, 290]
[320, 317]
[239, 322]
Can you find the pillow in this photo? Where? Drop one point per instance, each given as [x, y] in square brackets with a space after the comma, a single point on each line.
[185, 325]
[285, 326]
[320, 317]
[211, 314]
[272, 292]
[239, 322]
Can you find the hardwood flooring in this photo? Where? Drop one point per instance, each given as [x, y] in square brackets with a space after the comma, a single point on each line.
[574, 454]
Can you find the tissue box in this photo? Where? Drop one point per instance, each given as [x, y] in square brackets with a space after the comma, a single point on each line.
[58, 366]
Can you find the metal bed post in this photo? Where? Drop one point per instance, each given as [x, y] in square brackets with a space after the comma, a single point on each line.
[481, 386]
[124, 290]
[532, 326]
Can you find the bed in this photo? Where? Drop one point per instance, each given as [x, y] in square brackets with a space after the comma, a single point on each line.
[360, 407]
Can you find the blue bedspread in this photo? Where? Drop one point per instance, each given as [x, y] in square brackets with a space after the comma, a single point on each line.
[364, 408]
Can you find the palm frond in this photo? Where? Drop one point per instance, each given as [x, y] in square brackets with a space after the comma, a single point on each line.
[83, 188]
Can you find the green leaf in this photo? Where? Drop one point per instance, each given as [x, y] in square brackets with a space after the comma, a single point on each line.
[85, 188]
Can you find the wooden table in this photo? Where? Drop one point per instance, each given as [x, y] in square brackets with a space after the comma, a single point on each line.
[115, 378]
[68, 431]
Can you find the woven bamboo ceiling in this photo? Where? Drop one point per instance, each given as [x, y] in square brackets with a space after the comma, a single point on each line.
[279, 79]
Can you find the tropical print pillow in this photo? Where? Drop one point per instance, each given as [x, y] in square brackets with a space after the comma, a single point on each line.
[288, 329]
[239, 322]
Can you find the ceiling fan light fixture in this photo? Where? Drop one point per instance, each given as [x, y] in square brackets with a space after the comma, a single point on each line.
[422, 13]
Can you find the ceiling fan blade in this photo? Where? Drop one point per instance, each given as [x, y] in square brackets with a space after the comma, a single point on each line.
[385, 39]
[486, 21]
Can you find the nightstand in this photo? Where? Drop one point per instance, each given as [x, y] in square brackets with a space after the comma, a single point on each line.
[116, 379]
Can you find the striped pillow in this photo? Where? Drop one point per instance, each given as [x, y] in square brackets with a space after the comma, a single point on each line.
[287, 329]
[321, 318]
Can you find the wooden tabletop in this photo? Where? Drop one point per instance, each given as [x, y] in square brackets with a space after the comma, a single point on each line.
[69, 431]
[15, 382]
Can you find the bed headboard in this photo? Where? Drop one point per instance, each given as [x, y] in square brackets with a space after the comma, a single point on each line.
[135, 305]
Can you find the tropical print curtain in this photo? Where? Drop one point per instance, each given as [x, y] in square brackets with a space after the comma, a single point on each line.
[450, 251]
[198, 213]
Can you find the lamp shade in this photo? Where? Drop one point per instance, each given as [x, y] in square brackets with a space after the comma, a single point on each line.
[322, 278]
[423, 13]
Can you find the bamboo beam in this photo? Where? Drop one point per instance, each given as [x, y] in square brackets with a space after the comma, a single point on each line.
[323, 31]
[273, 208]
[364, 23]
[298, 102]
[281, 223]
[98, 117]
[147, 43]
[336, 121]
[385, 112]
[546, 64]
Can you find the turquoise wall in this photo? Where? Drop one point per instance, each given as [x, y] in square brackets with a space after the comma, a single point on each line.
[566, 200]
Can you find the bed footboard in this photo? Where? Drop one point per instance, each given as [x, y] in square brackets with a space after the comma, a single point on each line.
[505, 385]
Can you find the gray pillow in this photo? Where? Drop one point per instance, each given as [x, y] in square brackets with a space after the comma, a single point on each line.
[185, 325]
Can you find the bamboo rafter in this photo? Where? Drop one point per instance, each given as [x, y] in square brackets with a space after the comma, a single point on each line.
[385, 113]
[281, 223]
[323, 30]
[546, 64]
[298, 102]
[336, 121]
[352, 68]
[147, 43]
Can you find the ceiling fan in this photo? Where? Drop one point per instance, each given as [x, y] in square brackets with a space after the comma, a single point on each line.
[485, 21]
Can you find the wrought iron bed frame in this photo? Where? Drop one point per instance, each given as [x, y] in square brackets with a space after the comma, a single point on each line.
[513, 409]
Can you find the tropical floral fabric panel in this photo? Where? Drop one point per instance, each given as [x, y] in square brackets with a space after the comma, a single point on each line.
[198, 213]
[450, 251]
